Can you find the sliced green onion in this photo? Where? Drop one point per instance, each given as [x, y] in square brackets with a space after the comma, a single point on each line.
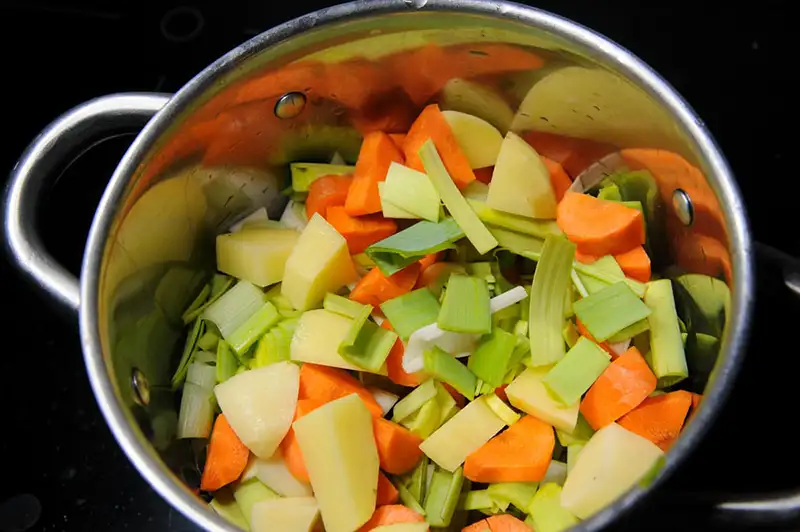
[546, 512]
[492, 358]
[611, 310]
[235, 307]
[502, 410]
[394, 253]
[303, 174]
[227, 364]
[443, 495]
[459, 209]
[409, 500]
[666, 346]
[550, 283]
[465, 308]
[411, 191]
[411, 311]
[574, 374]
[253, 328]
[188, 351]
[370, 348]
[250, 493]
[580, 434]
[425, 421]
[521, 224]
[444, 367]
[520, 494]
[414, 400]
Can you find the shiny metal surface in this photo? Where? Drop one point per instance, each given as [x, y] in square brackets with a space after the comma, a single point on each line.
[217, 150]
[682, 204]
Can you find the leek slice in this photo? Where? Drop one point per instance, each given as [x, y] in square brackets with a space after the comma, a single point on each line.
[409, 500]
[219, 285]
[197, 402]
[546, 512]
[666, 346]
[502, 410]
[569, 379]
[630, 331]
[425, 421]
[370, 348]
[412, 402]
[602, 273]
[521, 224]
[447, 405]
[607, 265]
[234, 307]
[250, 493]
[390, 210]
[303, 174]
[444, 367]
[465, 308]
[394, 253]
[411, 191]
[491, 360]
[550, 283]
[526, 246]
[226, 362]
[412, 311]
[570, 334]
[443, 495]
[345, 307]
[253, 328]
[226, 506]
[611, 310]
[520, 494]
[188, 350]
[459, 209]
[580, 434]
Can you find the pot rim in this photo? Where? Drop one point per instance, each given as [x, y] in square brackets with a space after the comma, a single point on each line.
[145, 459]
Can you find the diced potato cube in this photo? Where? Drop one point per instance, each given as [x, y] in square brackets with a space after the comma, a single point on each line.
[338, 447]
[256, 255]
[317, 337]
[528, 393]
[479, 140]
[297, 514]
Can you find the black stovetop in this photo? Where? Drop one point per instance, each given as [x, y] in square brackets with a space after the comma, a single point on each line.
[732, 63]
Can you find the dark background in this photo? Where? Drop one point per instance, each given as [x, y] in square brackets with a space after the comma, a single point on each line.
[732, 63]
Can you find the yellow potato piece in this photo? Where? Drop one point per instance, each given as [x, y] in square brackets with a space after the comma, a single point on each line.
[256, 255]
[479, 140]
[528, 393]
[319, 263]
[298, 514]
[610, 464]
[339, 450]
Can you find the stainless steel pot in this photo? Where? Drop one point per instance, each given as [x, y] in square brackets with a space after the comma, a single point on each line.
[220, 146]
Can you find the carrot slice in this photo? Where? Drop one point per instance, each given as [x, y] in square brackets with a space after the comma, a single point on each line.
[227, 457]
[326, 384]
[624, 384]
[429, 275]
[394, 363]
[635, 263]
[387, 493]
[428, 260]
[522, 453]
[585, 258]
[360, 232]
[659, 418]
[392, 514]
[398, 139]
[484, 175]
[398, 447]
[498, 523]
[326, 192]
[431, 124]
[375, 288]
[583, 331]
[600, 227]
[290, 448]
[574, 154]
[376, 154]
[558, 177]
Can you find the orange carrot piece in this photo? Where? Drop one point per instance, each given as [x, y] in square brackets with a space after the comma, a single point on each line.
[665, 445]
[659, 418]
[585, 258]
[431, 124]
[461, 401]
[583, 331]
[392, 514]
[624, 384]
[484, 175]
[498, 523]
[429, 260]
[558, 177]
[328, 384]
[696, 399]
[522, 453]
[429, 275]
[375, 288]
[227, 457]
[398, 447]
[290, 448]
[635, 263]
[394, 363]
[362, 231]
[387, 493]
[326, 192]
[600, 227]
[376, 154]
[574, 154]
[398, 139]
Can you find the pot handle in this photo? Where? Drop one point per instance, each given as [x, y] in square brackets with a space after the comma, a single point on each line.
[39, 165]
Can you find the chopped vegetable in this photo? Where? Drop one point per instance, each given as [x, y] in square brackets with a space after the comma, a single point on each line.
[546, 511]
[558, 178]
[435, 277]
[305, 174]
[520, 224]
[398, 448]
[342, 305]
[600, 227]
[498, 523]
[275, 474]
[370, 348]
[459, 209]
[491, 360]
[253, 328]
[297, 514]
[479, 140]
[412, 192]
[385, 399]
[317, 338]
[528, 393]
[326, 192]
[556, 473]
[412, 311]
[442, 497]
[550, 283]
[569, 379]
[635, 263]
[394, 364]
[387, 493]
[290, 448]
[465, 308]
[447, 369]
[197, 401]
[659, 418]
[603, 272]
[339, 450]
[256, 255]
[502, 410]
[234, 307]
[294, 216]
[225, 506]
[376, 288]
[610, 310]
[621, 388]
[250, 493]
[324, 384]
[390, 515]
[226, 362]
[519, 494]
[630, 331]
[410, 245]
[188, 352]
[415, 400]
[360, 232]
[226, 459]
[377, 153]
[666, 346]
[390, 210]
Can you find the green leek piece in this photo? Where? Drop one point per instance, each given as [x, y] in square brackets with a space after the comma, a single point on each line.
[459, 209]
[482, 270]
[572, 455]
[208, 342]
[502, 410]
[194, 309]
[521, 327]
[521, 224]
[394, 253]
[703, 302]
[418, 480]
[478, 500]
[411, 311]
[359, 318]
[603, 270]
[581, 434]
[550, 283]
[610, 193]
[702, 351]
[630, 331]
[412, 402]
[345, 307]
[447, 405]
[425, 421]
[569, 379]
[188, 352]
[255, 327]
[363, 261]
[580, 287]
[526, 246]
[520, 494]
[666, 346]
[612, 309]
[411, 191]
[448, 369]
[409, 500]
[390, 210]
[546, 513]
[465, 308]
[234, 308]
[370, 348]
[226, 507]
[443, 495]
[491, 360]
[227, 364]
[303, 174]
[270, 350]
[570, 334]
[250, 493]
[219, 285]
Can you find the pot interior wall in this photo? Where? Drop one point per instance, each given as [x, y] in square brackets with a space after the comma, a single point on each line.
[228, 152]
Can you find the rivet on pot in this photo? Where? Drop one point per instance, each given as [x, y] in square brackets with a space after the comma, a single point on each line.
[682, 204]
[141, 389]
[290, 105]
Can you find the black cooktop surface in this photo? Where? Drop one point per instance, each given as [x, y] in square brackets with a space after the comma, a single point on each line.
[731, 62]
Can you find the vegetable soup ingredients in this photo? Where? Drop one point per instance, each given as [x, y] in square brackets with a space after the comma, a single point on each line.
[226, 459]
[297, 514]
[600, 227]
[479, 140]
[327, 192]
[666, 347]
[659, 419]
[256, 255]
[377, 153]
